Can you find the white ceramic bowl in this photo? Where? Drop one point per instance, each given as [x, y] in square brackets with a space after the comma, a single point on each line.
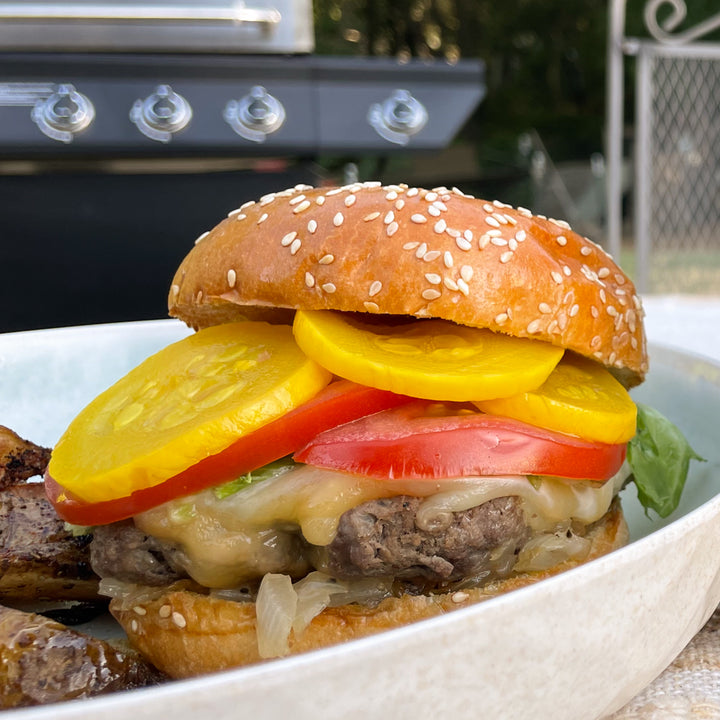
[576, 646]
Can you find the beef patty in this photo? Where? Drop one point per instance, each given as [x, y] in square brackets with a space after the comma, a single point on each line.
[379, 538]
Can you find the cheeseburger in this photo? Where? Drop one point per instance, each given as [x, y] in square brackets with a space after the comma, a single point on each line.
[397, 402]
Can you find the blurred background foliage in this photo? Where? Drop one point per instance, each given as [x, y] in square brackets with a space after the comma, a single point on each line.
[545, 69]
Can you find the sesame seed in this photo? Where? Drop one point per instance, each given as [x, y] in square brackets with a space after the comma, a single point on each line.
[234, 212]
[524, 211]
[432, 255]
[312, 226]
[320, 200]
[262, 218]
[488, 208]
[175, 290]
[567, 270]
[466, 273]
[500, 242]
[430, 294]
[484, 241]
[309, 279]
[375, 288]
[371, 216]
[329, 287]
[295, 246]
[440, 205]
[492, 221]
[421, 250]
[179, 619]
[463, 287]
[400, 204]
[139, 610]
[231, 277]
[513, 244]
[501, 318]
[432, 210]
[392, 228]
[634, 343]
[603, 272]
[450, 284]
[500, 218]
[534, 327]
[389, 217]
[338, 219]
[326, 259]
[462, 243]
[334, 191]
[574, 310]
[619, 279]
[392, 195]
[468, 235]
[585, 250]
[611, 310]
[453, 233]
[448, 259]
[164, 611]
[433, 278]
[200, 238]
[267, 199]
[418, 218]
[241, 216]
[544, 308]
[561, 240]
[304, 205]
[494, 233]
[412, 192]
[410, 245]
[134, 625]
[506, 256]
[287, 239]
[431, 196]
[247, 204]
[371, 307]
[520, 235]
[297, 199]
[350, 200]
[603, 296]
[459, 596]
[510, 219]
[440, 226]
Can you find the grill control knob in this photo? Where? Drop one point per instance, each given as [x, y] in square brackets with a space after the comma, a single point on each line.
[256, 115]
[162, 114]
[63, 114]
[398, 118]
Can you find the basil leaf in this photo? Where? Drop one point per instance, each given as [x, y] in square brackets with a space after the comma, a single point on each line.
[266, 472]
[659, 457]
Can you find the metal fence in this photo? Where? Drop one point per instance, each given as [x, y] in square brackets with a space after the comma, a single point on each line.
[676, 187]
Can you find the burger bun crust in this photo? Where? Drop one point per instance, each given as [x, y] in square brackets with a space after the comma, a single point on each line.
[423, 253]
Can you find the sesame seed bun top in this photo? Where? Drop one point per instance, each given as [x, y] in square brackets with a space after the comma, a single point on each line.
[409, 251]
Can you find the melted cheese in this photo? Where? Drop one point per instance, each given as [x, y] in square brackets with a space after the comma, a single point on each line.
[226, 541]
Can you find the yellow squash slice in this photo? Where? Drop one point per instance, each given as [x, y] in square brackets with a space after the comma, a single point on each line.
[430, 359]
[579, 398]
[190, 400]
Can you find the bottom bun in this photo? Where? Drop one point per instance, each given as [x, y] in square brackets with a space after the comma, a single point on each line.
[185, 633]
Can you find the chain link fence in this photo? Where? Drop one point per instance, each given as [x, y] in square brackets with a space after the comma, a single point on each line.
[678, 135]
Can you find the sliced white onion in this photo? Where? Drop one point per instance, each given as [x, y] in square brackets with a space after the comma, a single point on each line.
[276, 606]
[550, 549]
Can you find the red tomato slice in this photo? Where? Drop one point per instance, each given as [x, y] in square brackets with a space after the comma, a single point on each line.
[423, 440]
[340, 402]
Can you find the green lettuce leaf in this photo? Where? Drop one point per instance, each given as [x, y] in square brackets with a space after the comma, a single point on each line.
[266, 472]
[659, 457]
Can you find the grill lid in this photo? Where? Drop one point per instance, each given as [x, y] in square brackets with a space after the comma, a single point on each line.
[266, 26]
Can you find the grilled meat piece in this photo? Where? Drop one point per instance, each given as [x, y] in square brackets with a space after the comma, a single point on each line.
[42, 661]
[39, 558]
[20, 459]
